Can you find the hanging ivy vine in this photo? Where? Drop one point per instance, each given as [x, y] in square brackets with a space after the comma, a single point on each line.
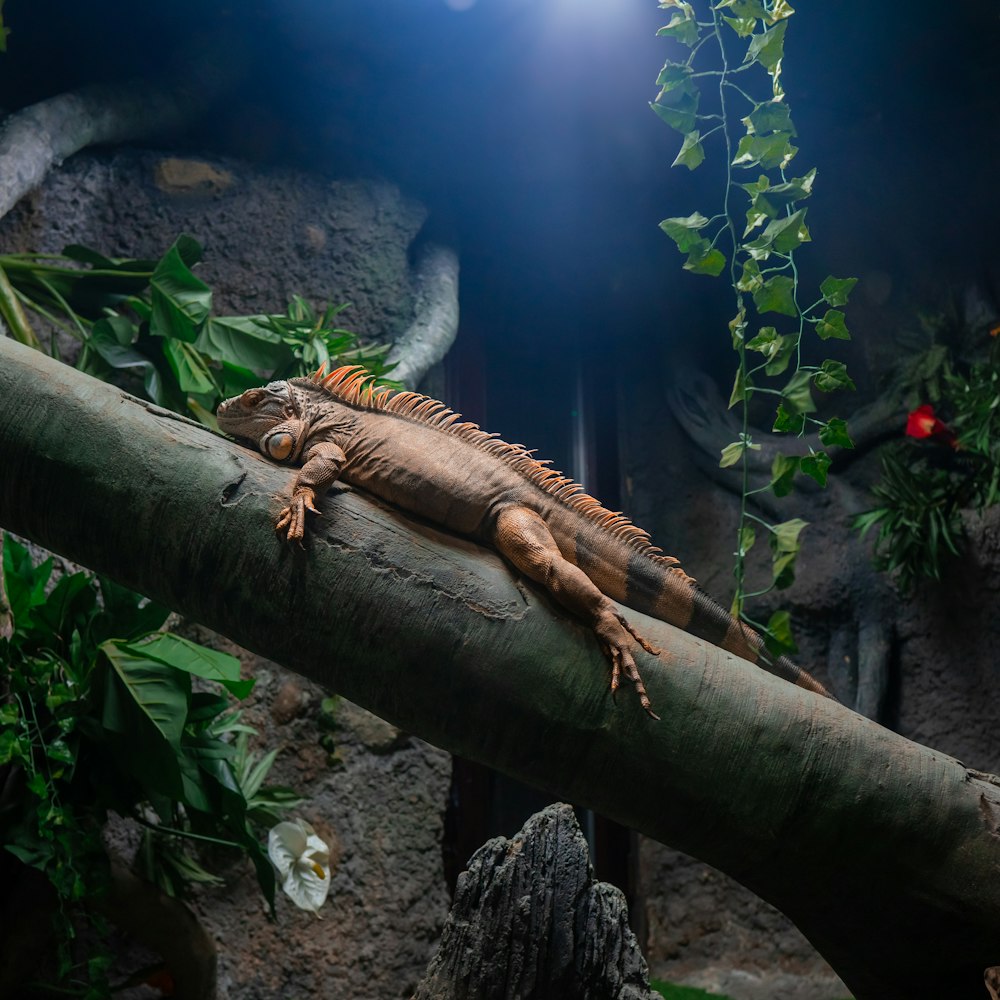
[716, 98]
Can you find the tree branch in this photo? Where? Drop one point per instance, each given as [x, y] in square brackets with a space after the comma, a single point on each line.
[429, 337]
[885, 853]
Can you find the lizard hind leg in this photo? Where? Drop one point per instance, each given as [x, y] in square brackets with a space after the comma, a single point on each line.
[522, 536]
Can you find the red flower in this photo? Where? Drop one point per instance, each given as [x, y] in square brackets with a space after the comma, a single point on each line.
[922, 423]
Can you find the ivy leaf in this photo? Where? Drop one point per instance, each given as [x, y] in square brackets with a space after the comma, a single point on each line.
[743, 26]
[788, 421]
[777, 349]
[777, 295]
[782, 235]
[796, 396]
[767, 48]
[751, 278]
[783, 470]
[673, 75]
[832, 325]
[815, 465]
[684, 231]
[753, 9]
[834, 434]
[771, 116]
[784, 550]
[738, 326]
[778, 634]
[682, 27]
[692, 153]
[837, 290]
[747, 539]
[769, 151]
[732, 453]
[772, 201]
[703, 261]
[741, 388]
[678, 108]
[833, 375]
[780, 9]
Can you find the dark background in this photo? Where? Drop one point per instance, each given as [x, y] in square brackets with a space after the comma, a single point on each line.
[524, 126]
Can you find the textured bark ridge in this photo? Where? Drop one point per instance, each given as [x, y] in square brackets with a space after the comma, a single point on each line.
[529, 921]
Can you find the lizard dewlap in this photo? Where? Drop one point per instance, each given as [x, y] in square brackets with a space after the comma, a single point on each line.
[414, 452]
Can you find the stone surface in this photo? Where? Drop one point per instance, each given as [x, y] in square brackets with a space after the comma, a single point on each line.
[529, 921]
[267, 234]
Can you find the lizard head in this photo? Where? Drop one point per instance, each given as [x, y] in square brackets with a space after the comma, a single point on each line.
[267, 416]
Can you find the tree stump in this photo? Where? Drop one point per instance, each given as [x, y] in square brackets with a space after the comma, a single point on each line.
[529, 920]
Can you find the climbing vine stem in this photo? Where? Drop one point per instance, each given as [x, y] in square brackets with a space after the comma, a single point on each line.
[769, 327]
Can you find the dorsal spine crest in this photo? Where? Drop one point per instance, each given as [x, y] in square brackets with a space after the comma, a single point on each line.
[355, 386]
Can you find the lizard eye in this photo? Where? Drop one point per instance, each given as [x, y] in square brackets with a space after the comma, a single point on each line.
[279, 446]
[252, 397]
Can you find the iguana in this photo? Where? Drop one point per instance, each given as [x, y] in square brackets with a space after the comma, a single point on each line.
[416, 453]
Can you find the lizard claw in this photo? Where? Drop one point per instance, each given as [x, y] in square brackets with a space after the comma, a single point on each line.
[616, 646]
[292, 520]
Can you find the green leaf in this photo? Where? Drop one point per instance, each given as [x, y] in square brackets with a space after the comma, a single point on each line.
[738, 327]
[769, 151]
[747, 538]
[684, 29]
[788, 420]
[771, 116]
[834, 434]
[673, 75]
[833, 375]
[109, 339]
[181, 300]
[796, 396]
[678, 108]
[767, 48]
[777, 294]
[702, 261]
[685, 231]
[837, 290]
[751, 278]
[778, 634]
[189, 367]
[783, 470]
[182, 654]
[832, 325]
[25, 583]
[743, 26]
[784, 550]
[777, 349]
[248, 342]
[691, 154]
[815, 465]
[732, 453]
[160, 692]
[741, 388]
[772, 201]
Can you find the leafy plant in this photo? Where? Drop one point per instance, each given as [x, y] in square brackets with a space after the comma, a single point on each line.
[946, 462]
[98, 712]
[150, 323]
[753, 239]
[673, 991]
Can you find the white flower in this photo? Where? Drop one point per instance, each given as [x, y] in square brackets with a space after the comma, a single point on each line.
[303, 862]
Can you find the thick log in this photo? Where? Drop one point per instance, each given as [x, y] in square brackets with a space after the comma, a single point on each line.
[885, 853]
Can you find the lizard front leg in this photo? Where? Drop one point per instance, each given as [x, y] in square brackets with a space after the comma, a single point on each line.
[523, 537]
[323, 464]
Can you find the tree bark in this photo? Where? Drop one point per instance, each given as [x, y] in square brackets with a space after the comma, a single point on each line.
[885, 853]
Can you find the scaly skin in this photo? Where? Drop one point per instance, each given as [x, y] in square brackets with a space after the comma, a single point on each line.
[415, 453]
